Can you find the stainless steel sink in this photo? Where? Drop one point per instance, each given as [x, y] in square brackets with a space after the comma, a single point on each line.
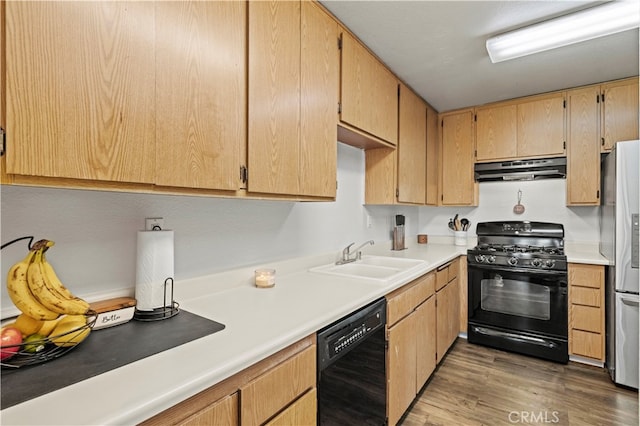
[382, 269]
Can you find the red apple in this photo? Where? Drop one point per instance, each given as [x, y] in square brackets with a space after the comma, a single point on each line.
[10, 340]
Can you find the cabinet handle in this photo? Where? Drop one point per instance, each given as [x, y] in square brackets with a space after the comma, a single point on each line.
[3, 142]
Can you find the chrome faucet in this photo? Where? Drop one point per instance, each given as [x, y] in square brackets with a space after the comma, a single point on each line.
[351, 256]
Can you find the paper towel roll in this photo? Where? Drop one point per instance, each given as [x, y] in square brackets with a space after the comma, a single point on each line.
[154, 264]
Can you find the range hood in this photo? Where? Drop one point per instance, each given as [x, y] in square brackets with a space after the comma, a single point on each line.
[542, 168]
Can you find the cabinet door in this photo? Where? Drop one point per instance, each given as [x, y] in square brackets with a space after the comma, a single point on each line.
[412, 147]
[425, 341]
[447, 318]
[81, 90]
[320, 75]
[458, 187]
[620, 112]
[274, 97]
[432, 157]
[223, 412]
[583, 148]
[496, 135]
[541, 127]
[401, 371]
[201, 94]
[369, 92]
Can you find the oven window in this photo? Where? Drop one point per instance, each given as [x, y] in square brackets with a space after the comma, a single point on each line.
[514, 297]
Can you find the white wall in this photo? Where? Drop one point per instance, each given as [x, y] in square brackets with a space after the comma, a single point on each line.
[95, 232]
[544, 201]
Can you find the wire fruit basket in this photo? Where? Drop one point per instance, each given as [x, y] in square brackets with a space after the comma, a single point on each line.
[42, 350]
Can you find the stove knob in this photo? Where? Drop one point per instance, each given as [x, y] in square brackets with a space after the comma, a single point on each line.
[550, 263]
[480, 258]
[491, 259]
[513, 261]
[536, 262]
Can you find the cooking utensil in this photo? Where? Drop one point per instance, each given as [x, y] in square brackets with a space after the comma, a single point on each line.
[465, 223]
[519, 208]
[451, 225]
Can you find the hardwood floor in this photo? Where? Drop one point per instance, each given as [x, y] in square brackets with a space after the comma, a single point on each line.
[475, 385]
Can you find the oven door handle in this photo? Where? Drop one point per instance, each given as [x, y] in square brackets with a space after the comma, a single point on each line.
[496, 268]
[516, 337]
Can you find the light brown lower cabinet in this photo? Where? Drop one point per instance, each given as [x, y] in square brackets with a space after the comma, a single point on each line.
[411, 343]
[586, 311]
[448, 314]
[279, 387]
[302, 412]
[279, 390]
[222, 412]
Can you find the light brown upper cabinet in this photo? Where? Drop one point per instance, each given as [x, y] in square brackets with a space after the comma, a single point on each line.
[201, 94]
[293, 93]
[412, 147]
[407, 174]
[523, 128]
[619, 112]
[457, 145]
[432, 157]
[81, 90]
[583, 146]
[541, 126]
[496, 135]
[4, 178]
[369, 97]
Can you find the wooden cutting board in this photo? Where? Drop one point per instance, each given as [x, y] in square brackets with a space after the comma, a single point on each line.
[113, 304]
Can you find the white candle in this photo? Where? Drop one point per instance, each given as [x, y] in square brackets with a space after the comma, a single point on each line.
[265, 277]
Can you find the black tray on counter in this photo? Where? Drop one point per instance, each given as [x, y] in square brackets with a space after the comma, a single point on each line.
[104, 350]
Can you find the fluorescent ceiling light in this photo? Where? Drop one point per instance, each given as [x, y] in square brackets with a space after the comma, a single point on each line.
[609, 18]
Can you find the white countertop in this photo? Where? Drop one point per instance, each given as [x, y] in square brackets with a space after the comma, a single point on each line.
[258, 322]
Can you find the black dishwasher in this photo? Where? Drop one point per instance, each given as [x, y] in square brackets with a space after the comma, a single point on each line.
[351, 368]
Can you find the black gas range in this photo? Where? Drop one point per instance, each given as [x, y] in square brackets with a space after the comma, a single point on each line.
[535, 245]
[517, 295]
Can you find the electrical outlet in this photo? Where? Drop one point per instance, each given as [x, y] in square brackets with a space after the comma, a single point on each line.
[369, 221]
[154, 223]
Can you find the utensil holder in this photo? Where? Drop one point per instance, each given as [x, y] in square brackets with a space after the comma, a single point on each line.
[460, 238]
[398, 238]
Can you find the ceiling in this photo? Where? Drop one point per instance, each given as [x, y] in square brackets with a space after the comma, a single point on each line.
[438, 48]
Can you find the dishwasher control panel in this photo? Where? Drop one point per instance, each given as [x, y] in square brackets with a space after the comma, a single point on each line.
[339, 338]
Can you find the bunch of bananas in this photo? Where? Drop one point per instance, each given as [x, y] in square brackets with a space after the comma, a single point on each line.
[36, 290]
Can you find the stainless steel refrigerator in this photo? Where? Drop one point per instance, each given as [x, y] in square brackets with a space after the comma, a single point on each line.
[619, 243]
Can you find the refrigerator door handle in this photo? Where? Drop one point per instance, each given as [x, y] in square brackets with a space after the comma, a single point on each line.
[635, 234]
[630, 302]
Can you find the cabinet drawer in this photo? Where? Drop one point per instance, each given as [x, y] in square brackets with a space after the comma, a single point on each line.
[586, 296]
[302, 412]
[453, 270]
[586, 318]
[586, 275]
[265, 396]
[447, 273]
[442, 277]
[425, 287]
[403, 301]
[223, 412]
[587, 344]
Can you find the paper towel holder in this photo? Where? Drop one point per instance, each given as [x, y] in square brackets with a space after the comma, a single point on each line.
[163, 312]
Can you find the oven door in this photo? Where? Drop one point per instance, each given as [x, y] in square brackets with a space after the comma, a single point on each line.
[523, 300]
